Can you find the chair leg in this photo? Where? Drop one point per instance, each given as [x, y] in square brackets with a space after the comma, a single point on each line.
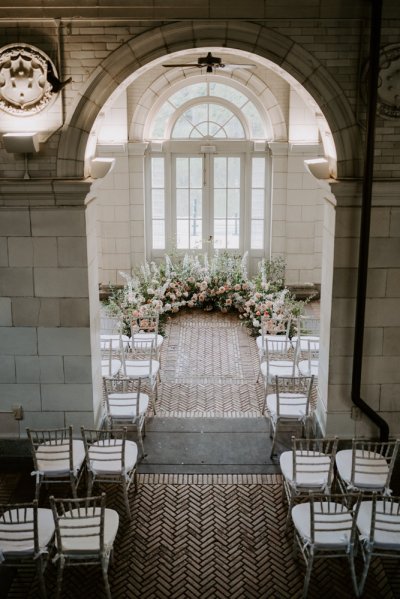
[364, 573]
[89, 484]
[40, 571]
[308, 576]
[140, 439]
[37, 487]
[60, 572]
[353, 575]
[126, 499]
[73, 486]
[104, 569]
[273, 438]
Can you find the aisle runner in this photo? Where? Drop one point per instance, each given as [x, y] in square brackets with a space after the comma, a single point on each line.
[209, 367]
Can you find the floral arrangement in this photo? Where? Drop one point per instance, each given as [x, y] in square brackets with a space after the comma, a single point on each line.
[199, 282]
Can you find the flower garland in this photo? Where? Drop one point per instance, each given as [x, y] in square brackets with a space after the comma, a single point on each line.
[197, 282]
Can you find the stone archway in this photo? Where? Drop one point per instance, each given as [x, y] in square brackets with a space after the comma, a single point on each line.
[290, 57]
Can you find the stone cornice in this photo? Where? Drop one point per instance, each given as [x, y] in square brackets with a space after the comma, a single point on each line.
[48, 192]
[348, 192]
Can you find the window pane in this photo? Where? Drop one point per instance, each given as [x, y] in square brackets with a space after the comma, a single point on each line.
[257, 235]
[258, 172]
[182, 172]
[197, 114]
[219, 203]
[257, 203]
[233, 128]
[182, 128]
[158, 227]
[219, 171]
[182, 234]
[196, 174]
[157, 172]
[234, 172]
[228, 93]
[157, 204]
[234, 203]
[195, 234]
[219, 114]
[256, 125]
[160, 122]
[219, 233]
[182, 203]
[195, 203]
[233, 233]
[189, 92]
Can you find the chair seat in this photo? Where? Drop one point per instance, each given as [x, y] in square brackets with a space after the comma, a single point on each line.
[371, 471]
[277, 368]
[110, 368]
[305, 370]
[59, 464]
[341, 520]
[18, 544]
[295, 408]
[78, 527]
[141, 368]
[128, 409]
[383, 539]
[311, 470]
[101, 454]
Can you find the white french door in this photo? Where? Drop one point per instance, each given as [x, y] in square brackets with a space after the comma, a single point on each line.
[207, 201]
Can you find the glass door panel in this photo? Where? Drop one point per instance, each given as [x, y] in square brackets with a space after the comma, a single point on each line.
[189, 202]
[226, 195]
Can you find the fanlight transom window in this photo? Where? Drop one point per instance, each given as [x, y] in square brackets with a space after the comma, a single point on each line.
[208, 109]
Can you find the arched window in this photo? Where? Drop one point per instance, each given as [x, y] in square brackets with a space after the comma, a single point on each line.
[208, 186]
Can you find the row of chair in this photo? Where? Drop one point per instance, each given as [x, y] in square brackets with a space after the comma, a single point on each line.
[73, 532]
[338, 526]
[110, 458]
[332, 525]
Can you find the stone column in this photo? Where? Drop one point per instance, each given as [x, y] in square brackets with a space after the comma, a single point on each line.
[47, 280]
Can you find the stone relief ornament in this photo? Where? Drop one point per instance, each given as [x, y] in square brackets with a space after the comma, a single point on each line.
[25, 88]
[389, 83]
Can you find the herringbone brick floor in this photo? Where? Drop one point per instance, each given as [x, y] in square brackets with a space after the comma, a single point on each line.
[201, 535]
[207, 537]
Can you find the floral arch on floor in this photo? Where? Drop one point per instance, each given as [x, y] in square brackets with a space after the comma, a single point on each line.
[197, 281]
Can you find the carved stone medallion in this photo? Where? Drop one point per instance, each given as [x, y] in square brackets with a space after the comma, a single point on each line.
[389, 83]
[24, 88]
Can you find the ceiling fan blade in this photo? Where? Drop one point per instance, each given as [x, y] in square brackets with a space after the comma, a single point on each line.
[182, 65]
[231, 67]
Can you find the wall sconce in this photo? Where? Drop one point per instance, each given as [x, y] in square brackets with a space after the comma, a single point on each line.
[100, 167]
[21, 143]
[318, 168]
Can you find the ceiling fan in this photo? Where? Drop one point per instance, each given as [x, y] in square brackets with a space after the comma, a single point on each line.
[210, 63]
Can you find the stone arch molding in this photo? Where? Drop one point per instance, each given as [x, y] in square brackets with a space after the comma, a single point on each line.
[290, 60]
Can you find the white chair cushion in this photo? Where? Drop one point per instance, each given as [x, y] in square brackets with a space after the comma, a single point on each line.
[304, 369]
[371, 477]
[141, 368]
[59, 465]
[338, 526]
[296, 409]
[383, 539]
[311, 470]
[74, 527]
[17, 544]
[110, 368]
[278, 368]
[105, 456]
[128, 409]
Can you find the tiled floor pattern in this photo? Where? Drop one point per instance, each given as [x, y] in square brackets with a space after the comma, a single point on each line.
[206, 537]
[209, 367]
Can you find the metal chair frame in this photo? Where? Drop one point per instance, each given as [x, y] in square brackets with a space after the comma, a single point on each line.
[310, 470]
[124, 394]
[108, 447]
[329, 515]
[61, 442]
[19, 524]
[138, 361]
[84, 519]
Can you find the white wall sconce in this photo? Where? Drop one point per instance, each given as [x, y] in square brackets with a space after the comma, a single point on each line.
[318, 168]
[100, 167]
[21, 143]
